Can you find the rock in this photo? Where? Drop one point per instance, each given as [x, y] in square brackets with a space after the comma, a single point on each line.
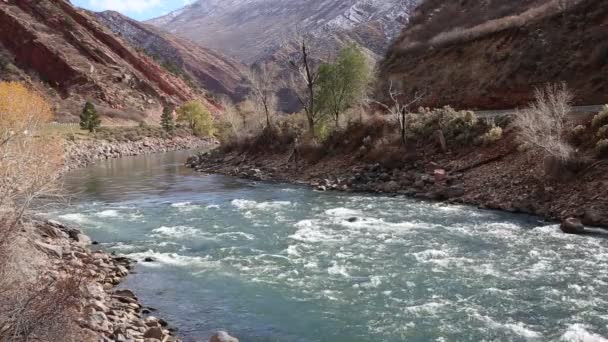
[353, 219]
[440, 175]
[83, 239]
[385, 177]
[222, 336]
[593, 216]
[391, 186]
[155, 332]
[149, 259]
[125, 293]
[52, 250]
[572, 226]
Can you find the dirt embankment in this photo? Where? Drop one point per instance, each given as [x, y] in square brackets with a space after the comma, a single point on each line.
[500, 176]
[493, 55]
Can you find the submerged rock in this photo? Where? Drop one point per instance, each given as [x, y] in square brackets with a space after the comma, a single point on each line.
[572, 226]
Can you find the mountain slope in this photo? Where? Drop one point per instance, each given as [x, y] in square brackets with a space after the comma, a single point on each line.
[68, 55]
[492, 56]
[253, 30]
[212, 71]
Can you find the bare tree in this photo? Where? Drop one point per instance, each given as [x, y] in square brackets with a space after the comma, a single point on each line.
[262, 80]
[232, 116]
[400, 109]
[303, 81]
[543, 124]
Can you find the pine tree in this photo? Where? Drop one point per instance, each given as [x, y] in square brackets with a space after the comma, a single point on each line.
[89, 119]
[166, 119]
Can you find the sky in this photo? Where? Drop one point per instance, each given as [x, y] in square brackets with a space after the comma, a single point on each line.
[136, 9]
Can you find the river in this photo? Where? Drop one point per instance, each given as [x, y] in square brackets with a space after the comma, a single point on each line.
[276, 262]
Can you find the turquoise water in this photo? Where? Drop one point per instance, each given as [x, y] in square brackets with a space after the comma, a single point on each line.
[274, 262]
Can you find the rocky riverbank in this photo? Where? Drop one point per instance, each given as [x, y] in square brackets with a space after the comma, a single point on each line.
[498, 177]
[105, 312]
[81, 153]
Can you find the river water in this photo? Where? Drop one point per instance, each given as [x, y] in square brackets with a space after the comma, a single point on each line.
[275, 262]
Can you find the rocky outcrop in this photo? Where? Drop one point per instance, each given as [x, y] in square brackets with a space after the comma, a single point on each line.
[492, 56]
[212, 71]
[51, 44]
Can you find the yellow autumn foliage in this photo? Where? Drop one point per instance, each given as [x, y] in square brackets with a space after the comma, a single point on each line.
[29, 162]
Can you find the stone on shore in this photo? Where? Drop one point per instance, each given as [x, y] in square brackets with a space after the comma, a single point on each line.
[572, 226]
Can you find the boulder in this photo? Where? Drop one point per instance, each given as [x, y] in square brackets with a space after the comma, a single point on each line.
[572, 226]
[155, 332]
[391, 186]
[222, 336]
[125, 293]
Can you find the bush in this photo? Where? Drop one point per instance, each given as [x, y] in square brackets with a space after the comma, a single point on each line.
[197, 117]
[602, 132]
[601, 118]
[544, 123]
[492, 136]
[601, 148]
[461, 127]
[31, 307]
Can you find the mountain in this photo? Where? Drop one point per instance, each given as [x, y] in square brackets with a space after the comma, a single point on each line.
[68, 55]
[210, 70]
[493, 55]
[253, 30]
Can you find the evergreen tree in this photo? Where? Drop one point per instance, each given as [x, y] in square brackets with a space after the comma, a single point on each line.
[166, 119]
[89, 119]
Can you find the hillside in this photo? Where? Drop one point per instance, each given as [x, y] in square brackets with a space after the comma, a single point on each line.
[253, 31]
[208, 69]
[493, 56]
[68, 55]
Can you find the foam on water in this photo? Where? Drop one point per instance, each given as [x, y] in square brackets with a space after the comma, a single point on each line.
[108, 213]
[176, 231]
[579, 333]
[76, 218]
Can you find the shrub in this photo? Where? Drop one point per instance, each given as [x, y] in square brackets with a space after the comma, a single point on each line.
[545, 121]
[461, 127]
[493, 135]
[601, 118]
[578, 134]
[601, 148]
[602, 132]
[197, 117]
[31, 307]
